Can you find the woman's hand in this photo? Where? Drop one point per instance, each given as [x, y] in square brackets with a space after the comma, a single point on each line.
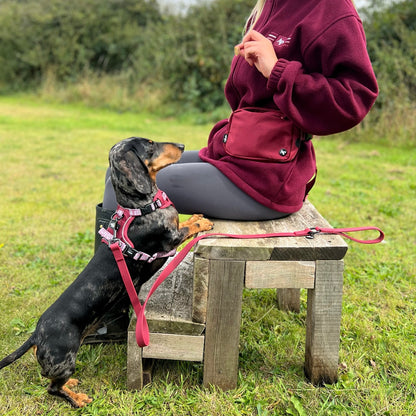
[258, 50]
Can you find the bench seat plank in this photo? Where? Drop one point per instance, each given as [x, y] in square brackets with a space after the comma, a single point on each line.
[322, 247]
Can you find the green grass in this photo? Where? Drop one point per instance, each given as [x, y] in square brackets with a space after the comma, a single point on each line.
[52, 164]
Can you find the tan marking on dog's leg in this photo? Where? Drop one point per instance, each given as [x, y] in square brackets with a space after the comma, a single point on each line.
[72, 382]
[80, 399]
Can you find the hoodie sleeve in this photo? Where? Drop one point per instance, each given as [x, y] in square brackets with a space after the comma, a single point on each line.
[334, 87]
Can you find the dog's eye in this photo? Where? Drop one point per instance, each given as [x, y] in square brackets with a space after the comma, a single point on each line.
[151, 148]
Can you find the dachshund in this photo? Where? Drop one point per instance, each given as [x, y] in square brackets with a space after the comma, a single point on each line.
[134, 163]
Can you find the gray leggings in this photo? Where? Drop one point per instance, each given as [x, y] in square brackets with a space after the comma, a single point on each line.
[198, 187]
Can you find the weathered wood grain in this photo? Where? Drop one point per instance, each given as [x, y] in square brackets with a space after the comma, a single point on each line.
[323, 323]
[200, 290]
[280, 274]
[322, 247]
[222, 335]
[134, 363]
[174, 297]
[175, 347]
[288, 299]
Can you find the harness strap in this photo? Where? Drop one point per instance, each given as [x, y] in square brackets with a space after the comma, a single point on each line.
[117, 231]
[160, 201]
[142, 329]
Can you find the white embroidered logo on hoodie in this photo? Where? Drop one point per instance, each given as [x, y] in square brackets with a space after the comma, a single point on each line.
[278, 40]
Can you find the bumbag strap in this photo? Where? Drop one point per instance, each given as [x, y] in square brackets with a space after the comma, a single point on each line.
[142, 329]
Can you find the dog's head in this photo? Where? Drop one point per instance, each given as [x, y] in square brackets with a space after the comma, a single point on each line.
[134, 163]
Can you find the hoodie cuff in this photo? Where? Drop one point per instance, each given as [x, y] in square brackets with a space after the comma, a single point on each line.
[276, 73]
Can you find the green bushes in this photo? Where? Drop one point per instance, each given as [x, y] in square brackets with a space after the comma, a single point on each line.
[187, 56]
[38, 36]
[391, 38]
[148, 59]
[200, 49]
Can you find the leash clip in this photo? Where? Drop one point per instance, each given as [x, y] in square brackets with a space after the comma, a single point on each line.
[312, 232]
[116, 241]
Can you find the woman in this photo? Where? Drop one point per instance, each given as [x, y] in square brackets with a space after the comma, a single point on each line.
[307, 58]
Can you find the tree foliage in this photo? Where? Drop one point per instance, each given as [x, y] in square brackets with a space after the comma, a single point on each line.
[184, 56]
[68, 37]
[199, 51]
[391, 39]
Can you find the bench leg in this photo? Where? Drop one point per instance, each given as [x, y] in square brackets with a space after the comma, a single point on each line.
[134, 363]
[222, 334]
[288, 299]
[323, 323]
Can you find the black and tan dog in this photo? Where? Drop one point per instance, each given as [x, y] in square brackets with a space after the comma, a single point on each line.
[99, 288]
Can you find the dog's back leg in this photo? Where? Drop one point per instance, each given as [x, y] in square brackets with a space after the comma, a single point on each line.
[59, 387]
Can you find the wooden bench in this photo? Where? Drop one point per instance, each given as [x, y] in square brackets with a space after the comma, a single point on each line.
[222, 268]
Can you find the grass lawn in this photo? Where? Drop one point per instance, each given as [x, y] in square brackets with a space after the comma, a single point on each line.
[52, 164]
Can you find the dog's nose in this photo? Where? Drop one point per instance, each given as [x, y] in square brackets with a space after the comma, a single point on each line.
[180, 146]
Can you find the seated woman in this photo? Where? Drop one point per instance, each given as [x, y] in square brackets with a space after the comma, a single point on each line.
[307, 59]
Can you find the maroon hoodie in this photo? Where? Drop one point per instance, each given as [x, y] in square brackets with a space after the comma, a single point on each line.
[323, 81]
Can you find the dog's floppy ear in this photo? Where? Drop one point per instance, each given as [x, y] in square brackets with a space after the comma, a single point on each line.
[130, 175]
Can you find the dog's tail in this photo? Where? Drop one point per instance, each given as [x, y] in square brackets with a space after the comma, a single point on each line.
[18, 353]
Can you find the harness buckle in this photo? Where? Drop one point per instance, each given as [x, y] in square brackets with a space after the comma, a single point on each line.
[113, 224]
[148, 209]
[128, 251]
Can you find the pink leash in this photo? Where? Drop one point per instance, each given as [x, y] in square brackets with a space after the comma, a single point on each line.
[142, 329]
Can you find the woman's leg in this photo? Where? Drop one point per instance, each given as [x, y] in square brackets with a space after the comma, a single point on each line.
[109, 198]
[195, 186]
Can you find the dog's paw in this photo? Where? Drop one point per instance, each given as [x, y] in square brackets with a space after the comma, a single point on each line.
[192, 221]
[195, 225]
[83, 399]
[205, 224]
[195, 218]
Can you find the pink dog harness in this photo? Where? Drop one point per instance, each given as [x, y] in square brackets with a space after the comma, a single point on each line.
[120, 223]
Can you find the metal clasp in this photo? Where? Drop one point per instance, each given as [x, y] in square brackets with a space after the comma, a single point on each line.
[312, 232]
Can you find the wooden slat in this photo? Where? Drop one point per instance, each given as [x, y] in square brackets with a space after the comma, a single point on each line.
[288, 300]
[175, 347]
[323, 323]
[134, 363]
[280, 274]
[222, 334]
[200, 290]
